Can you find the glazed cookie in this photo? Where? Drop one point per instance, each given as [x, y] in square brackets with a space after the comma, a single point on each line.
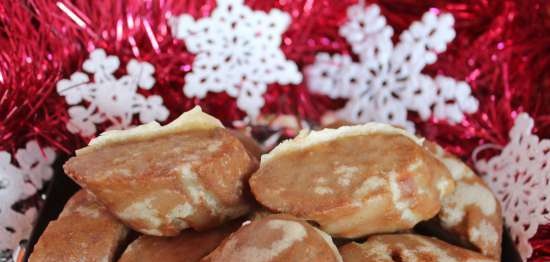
[189, 246]
[251, 145]
[408, 248]
[276, 238]
[84, 231]
[353, 181]
[471, 210]
[162, 179]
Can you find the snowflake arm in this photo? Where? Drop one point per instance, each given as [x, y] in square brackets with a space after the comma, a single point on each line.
[420, 44]
[151, 108]
[367, 33]
[250, 98]
[142, 72]
[181, 27]
[72, 89]
[448, 98]
[101, 65]
[419, 94]
[336, 70]
[454, 100]
[360, 110]
[80, 121]
[35, 163]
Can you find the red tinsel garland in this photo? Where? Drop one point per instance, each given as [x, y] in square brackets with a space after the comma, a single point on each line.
[502, 50]
[28, 73]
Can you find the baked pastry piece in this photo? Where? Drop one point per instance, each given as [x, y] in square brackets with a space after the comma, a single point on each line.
[471, 210]
[189, 246]
[276, 238]
[407, 248]
[354, 180]
[249, 143]
[162, 179]
[84, 231]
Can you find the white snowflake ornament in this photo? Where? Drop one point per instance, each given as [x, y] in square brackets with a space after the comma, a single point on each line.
[35, 163]
[387, 81]
[520, 178]
[237, 52]
[108, 99]
[18, 181]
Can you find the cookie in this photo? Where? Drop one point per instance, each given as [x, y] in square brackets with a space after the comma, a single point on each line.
[353, 181]
[189, 246]
[471, 211]
[276, 238]
[84, 231]
[162, 179]
[407, 248]
[251, 145]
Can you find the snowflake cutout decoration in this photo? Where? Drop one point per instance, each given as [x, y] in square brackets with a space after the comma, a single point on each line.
[237, 52]
[387, 81]
[18, 182]
[520, 178]
[108, 99]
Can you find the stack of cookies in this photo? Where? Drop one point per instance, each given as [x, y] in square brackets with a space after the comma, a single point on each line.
[195, 191]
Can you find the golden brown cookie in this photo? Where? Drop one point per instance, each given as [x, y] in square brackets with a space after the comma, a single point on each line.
[251, 145]
[84, 231]
[407, 248]
[276, 238]
[471, 210]
[189, 246]
[162, 179]
[354, 180]
[259, 213]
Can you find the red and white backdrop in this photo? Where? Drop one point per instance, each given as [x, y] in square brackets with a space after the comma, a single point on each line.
[471, 75]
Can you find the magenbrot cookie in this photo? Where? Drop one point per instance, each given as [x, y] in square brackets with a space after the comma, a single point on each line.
[162, 179]
[251, 145]
[189, 246]
[353, 181]
[471, 211]
[84, 231]
[407, 248]
[276, 238]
